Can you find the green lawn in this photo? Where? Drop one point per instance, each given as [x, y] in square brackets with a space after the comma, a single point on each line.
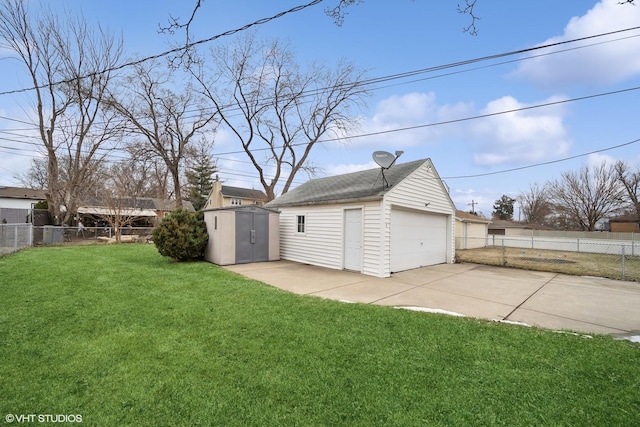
[122, 336]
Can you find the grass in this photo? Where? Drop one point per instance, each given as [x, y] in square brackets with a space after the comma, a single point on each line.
[575, 263]
[124, 337]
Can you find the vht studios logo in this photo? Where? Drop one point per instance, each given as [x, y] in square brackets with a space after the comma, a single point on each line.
[43, 418]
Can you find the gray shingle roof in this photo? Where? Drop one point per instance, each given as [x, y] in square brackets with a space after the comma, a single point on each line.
[22, 193]
[243, 193]
[361, 185]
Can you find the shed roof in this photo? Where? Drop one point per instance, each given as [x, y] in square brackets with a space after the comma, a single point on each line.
[22, 193]
[364, 185]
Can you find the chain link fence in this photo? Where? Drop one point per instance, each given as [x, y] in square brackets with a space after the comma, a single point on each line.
[618, 259]
[14, 237]
[49, 234]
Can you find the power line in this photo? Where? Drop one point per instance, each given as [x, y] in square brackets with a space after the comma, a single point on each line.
[550, 162]
[407, 74]
[171, 51]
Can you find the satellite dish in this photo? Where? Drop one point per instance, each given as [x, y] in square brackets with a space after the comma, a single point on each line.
[384, 159]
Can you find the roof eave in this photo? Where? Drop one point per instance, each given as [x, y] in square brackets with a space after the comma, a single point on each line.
[329, 202]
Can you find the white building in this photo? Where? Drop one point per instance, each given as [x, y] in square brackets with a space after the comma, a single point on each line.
[369, 222]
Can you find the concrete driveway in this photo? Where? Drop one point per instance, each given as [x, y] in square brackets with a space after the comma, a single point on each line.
[547, 300]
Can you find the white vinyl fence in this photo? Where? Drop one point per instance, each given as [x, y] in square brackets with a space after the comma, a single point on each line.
[568, 244]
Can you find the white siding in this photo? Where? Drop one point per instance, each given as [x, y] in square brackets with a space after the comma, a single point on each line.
[423, 191]
[321, 243]
[17, 203]
[372, 241]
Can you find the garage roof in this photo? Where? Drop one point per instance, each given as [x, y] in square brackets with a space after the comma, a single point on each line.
[363, 185]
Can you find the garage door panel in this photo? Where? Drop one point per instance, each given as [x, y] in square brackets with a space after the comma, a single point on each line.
[417, 239]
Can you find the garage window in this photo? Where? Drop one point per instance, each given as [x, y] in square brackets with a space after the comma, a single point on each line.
[301, 223]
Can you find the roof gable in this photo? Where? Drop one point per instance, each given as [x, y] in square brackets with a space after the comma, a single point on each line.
[363, 185]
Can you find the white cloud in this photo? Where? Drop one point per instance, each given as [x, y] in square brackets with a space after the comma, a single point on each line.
[334, 169]
[520, 136]
[400, 112]
[596, 159]
[602, 63]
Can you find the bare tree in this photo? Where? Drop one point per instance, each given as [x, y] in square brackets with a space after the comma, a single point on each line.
[116, 206]
[588, 195]
[277, 111]
[37, 175]
[534, 204]
[630, 180]
[166, 119]
[66, 63]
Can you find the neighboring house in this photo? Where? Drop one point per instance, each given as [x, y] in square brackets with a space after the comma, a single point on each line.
[16, 203]
[502, 227]
[471, 230]
[20, 198]
[148, 209]
[624, 225]
[358, 222]
[222, 196]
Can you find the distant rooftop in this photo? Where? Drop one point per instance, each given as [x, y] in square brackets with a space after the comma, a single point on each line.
[22, 193]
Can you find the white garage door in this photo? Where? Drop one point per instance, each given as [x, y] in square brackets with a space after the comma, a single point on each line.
[417, 239]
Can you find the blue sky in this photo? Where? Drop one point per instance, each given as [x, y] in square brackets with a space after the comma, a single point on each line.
[388, 38]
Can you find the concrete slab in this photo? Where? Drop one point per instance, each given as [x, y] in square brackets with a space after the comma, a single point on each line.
[437, 299]
[550, 321]
[601, 307]
[548, 300]
[509, 292]
[368, 291]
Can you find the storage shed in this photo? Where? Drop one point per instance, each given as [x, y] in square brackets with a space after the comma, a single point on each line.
[243, 234]
[369, 222]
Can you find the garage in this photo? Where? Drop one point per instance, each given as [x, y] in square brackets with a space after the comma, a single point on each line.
[373, 222]
[418, 239]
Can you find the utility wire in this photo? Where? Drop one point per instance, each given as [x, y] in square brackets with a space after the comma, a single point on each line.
[172, 51]
[550, 162]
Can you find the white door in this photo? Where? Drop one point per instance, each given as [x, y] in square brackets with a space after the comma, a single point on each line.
[353, 239]
[418, 239]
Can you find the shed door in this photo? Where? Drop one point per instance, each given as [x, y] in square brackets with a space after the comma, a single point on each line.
[252, 237]
[353, 239]
[418, 239]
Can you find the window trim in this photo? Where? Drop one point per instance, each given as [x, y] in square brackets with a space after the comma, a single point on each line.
[302, 223]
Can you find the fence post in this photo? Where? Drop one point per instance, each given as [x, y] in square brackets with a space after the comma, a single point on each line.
[623, 262]
[15, 241]
[504, 261]
[578, 244]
